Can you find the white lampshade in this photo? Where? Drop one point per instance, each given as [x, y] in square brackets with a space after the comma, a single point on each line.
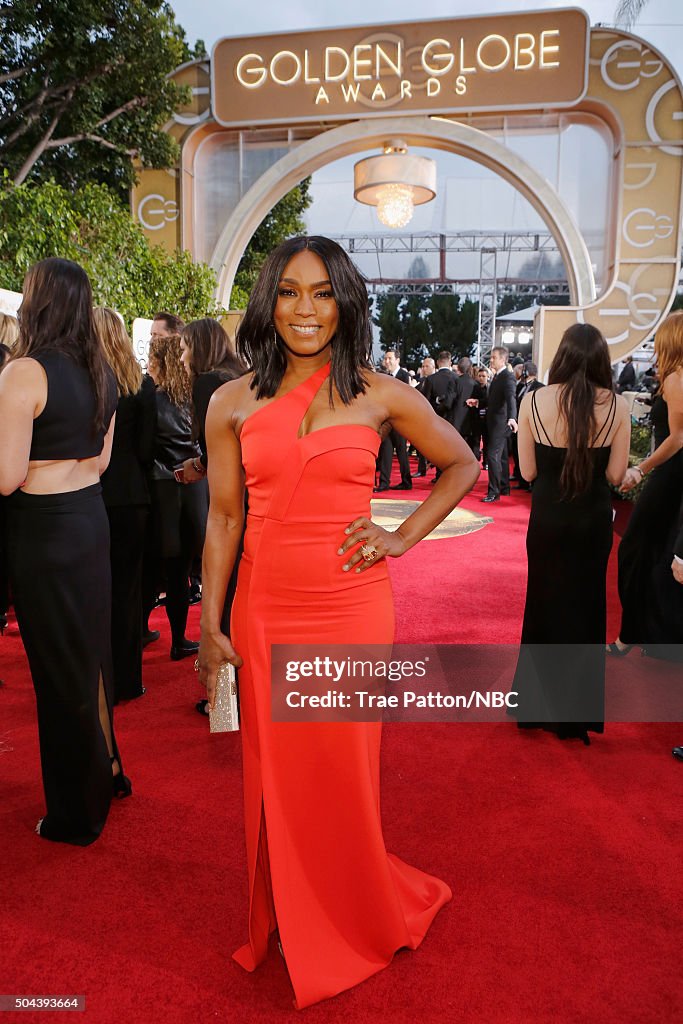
[395, 183]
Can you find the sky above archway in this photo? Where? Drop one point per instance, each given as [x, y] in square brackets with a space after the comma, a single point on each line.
[660, 23]
[469, 196]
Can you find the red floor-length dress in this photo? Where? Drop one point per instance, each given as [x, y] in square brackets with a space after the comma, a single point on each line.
[318, 868]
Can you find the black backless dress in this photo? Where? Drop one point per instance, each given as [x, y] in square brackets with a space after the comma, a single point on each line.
[59, 570]
[651, 599]
[560, 675]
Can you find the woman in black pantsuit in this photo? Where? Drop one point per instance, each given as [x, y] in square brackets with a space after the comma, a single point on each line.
[57, 402]
[126, 498]
[179, 512]
[209, 361]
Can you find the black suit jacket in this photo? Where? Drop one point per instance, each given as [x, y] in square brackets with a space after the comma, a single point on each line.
[402, 375]
[440, 391]
[464, 386]
[125, 480]
[528, 389]
[627, 378]
[502, 402]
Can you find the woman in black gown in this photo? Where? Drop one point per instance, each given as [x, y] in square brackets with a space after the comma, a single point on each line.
[57, 402]
[126, 498]
[651, 599]
[574, 437]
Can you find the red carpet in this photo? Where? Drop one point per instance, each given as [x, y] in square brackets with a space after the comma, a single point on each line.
[565, 861]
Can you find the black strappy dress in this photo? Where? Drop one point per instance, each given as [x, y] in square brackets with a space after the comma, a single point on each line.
[560, 675]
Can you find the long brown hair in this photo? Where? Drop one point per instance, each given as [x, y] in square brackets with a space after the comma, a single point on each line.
[582, 365]
[56, 314]
[210, 348]
[118, 350]
[669, 345]
[170, 375]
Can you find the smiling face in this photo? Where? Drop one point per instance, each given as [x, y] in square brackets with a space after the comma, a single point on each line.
[306, 314]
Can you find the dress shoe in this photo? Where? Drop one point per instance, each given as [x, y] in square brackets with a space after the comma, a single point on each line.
[505, 494]
[402, 487]
[376, 490]
[122, 784]
[150, 636]
[616, 651]
[418, 474]
[202, 707]
[521, 487]
[678, 753]
[185, 649]
[491, 497]
[195, 593]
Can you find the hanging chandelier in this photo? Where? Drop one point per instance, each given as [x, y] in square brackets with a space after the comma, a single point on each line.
[395, 183]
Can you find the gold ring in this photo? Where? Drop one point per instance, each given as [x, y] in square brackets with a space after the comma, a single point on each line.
[369, 552]
[196, 664]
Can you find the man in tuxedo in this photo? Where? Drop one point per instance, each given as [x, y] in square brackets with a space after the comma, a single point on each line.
[440, 387]
[427, 369]
[460, 417]
[394, 441]
[627, 377]
[477, 403]
[529, 384]
[501, 419]
[440, 390]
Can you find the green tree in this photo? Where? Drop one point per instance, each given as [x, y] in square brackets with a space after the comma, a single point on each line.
[387, 318]
[84, 89]
[415, 333]
[92, 228]
[284, 221]
[452, 324]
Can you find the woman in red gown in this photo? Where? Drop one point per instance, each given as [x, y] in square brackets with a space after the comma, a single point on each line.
[302, 431]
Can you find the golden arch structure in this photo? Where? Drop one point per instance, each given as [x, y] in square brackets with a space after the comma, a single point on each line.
[439, 84]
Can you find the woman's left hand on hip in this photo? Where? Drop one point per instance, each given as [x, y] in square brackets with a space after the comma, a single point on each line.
[375, 543]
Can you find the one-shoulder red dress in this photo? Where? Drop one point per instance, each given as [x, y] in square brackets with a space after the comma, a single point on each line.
[318, 868]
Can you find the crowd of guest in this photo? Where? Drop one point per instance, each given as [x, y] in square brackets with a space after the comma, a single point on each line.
[84, 420]
[481, 402]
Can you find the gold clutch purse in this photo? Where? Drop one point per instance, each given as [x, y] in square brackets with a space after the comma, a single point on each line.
[225, 716]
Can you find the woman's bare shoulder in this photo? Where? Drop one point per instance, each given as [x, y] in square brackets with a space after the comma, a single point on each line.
[233, 392]
[385, 387]
[23, 372]
[672, 389]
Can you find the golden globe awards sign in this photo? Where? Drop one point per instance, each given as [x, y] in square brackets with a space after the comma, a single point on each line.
[501, 62]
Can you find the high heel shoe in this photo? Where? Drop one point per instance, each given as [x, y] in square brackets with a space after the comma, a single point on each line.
[618, 652]
[122, 784]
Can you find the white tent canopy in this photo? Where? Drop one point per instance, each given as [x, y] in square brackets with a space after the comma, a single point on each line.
[520, 316]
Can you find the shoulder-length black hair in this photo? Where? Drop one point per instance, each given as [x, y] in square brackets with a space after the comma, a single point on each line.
[260, 346]
[582, 365]
[57, 313]
[210, 348]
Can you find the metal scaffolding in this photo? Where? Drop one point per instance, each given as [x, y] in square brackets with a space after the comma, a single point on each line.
[488, 288]
[477, 289]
